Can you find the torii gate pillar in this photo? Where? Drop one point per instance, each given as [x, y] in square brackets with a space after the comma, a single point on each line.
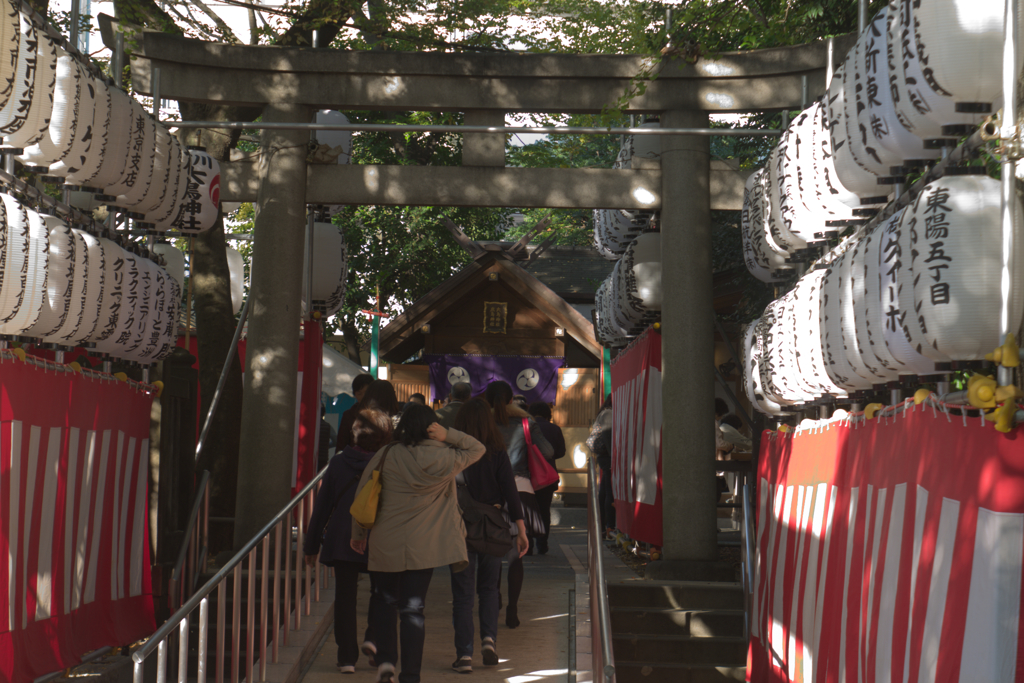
[688, 445]
[268, 405]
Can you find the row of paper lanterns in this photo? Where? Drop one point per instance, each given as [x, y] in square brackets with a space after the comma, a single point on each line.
[70, 124]
[65, 286]
[898, 86]
[614, 229]
[921, 288]
[629, 299]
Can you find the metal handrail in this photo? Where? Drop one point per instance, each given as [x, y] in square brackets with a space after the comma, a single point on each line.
[180, 579]
[302, 503]
[600, 618]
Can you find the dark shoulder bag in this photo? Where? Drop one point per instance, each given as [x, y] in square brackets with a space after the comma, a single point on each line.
[487, 533]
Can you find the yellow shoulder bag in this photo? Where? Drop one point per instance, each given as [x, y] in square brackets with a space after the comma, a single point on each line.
[364, 507]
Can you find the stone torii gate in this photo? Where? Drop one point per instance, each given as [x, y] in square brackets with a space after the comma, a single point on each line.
[289, 84]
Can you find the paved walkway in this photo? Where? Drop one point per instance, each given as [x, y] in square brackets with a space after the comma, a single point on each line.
[536, 651]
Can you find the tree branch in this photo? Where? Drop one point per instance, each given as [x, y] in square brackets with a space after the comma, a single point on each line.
[221, 24]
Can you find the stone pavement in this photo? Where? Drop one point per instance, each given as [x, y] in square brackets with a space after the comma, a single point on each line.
[536, 651]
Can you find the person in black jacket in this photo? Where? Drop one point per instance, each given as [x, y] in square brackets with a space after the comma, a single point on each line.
[600, 444]
[359, 386]
[331, 525]
[541, 412]
[489, 480]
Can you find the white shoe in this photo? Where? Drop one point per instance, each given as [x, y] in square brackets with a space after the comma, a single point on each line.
[385, 673]
[346, 668]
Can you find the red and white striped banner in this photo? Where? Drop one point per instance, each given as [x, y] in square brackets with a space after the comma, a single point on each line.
[74, 543]
[890, 551]
[636, 438]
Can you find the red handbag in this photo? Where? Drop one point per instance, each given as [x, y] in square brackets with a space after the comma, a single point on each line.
[542, 474]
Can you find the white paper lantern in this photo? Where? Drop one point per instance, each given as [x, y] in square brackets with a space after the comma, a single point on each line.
[112, 304]
[870, 311]
[923, 110]
[863, 265]
[236, 272]
[176, 186]
[60, 271]
[74, 321]
[158, 186]
[851, 291]
[56, 141]
[834, 196]
[800, 219]
[169, 321]
[174, 259]
[200, 210]
[758, 398]
[778, 229]
[119, 320]
[787, 378]
[95, 273]
[956, 261]
[849, 168]
[836, 349]
[894, 275]
[330, 267]
[807, 334]
[26, 252]
[157, 339]
[37, 118]
[647, 148]
[761, 261]
[767, 357]
[869, 153]
[138, 171]
[92, 113]
[885, 126]
[141, 301]
[116, 146]
[643, 273]
[335, 138]
[13, 115]
[10, 41]
[959, 49]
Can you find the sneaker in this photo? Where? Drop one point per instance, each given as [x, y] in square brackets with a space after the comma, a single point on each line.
[463, 665]
[347, 668]
[370, 650]
[488, 652]
[386, 673]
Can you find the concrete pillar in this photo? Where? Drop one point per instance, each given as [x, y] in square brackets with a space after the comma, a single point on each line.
[275, 295]
[688, 493]
[484, 149]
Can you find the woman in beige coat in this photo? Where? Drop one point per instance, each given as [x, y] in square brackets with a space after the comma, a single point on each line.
[418, 527]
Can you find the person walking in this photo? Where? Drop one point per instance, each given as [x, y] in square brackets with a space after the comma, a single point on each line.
[514, 425]
[490, 481]
[330, 530]
[461, 392]
[418, 527]
[541, 412]
[359, 385]
[600, 444]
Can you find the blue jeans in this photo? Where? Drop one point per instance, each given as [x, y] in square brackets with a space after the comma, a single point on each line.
[402, 594]
[485, 572]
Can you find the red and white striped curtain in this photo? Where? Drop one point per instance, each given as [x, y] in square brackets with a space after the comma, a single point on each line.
[890, 550]
[74, 542]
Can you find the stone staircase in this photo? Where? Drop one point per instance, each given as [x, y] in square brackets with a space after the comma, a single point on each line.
[680, 631]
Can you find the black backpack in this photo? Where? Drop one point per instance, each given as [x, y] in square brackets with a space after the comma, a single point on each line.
[487, 532]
